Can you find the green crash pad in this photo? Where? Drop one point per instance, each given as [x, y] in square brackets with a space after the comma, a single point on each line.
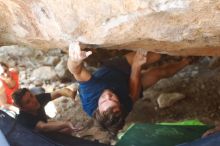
[161, 135]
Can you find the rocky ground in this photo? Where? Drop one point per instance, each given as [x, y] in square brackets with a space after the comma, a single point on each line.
[196, 85]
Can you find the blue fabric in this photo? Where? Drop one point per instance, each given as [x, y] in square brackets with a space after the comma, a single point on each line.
[211, 140]
[105, 78]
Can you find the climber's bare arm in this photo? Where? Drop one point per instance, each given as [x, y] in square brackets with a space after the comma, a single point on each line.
[75, 62]
[139, 59]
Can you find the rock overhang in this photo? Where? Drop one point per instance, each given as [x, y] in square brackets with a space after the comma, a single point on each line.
[175, 27]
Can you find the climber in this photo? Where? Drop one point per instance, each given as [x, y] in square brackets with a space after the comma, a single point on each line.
[109, 93]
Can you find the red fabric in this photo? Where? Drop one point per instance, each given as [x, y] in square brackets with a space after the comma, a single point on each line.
[9, 91]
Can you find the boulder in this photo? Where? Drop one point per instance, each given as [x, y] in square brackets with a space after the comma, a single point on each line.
[168, 99]
[44, 73]
[183, 27]
[62, 71]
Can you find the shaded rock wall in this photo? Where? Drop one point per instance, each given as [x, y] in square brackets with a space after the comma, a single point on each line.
[183, 27]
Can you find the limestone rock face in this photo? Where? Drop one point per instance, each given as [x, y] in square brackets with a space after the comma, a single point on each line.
[183, 27]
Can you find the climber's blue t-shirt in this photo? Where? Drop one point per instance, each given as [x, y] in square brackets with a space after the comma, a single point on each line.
[105, 78]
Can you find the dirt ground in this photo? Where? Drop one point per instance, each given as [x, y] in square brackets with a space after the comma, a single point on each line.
[198, 82]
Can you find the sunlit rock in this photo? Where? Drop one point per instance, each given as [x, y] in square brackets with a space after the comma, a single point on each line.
[183, 27]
